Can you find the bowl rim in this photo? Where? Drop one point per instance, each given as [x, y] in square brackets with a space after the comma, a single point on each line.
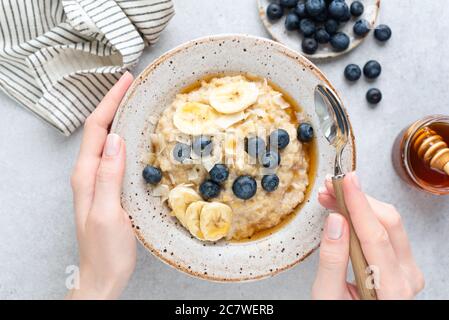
[186, 45]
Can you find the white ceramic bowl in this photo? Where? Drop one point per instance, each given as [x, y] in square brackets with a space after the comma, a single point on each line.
[153, 90]
[293, 39]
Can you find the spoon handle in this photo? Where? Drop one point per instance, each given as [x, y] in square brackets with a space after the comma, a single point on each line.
[358, 261]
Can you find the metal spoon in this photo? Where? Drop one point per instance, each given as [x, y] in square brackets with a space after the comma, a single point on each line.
[335, 127]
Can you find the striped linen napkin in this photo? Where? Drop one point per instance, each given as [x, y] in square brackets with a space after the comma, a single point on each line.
[58, 58]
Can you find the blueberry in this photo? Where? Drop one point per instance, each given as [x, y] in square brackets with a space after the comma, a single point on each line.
[357, 8]
[315, 7]
[279, 139]
[270, 159]
[209, 189]
[305, 132]
[322, 36]
[346, 17]
[181, 151]
[274, 11]
[202, 146]
[331, 26]
[374, 96]
[322, 17]
[288, 3]
[301, 11]
[372, 69]
[340, 41]
[309, 45]
[270, 182]
[254, 146]
[244, 187]
[353, 72]
[338, 10]
[361, 27]
[152, 174]
[307, 27]
[382, 32]
[291, 22]
[219, 173]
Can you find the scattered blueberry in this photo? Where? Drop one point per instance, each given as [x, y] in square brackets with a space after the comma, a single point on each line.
[254, 146]
[219, 173]
[274, 11]
[322, 17]
[202, 146]
[270, 159]
[152, 174]
[361, 27]
[346, 17]
[309, 45]
[357, 8]
[305, 132]
[353, 72]
[270, 182]
[331, 26]
[279, 139]
[288, 3]
[340, 41]
[372, 69]
[374, 96]
[382, 33]
[244, 187]
[315, 7]
[209, 189]
[322, 36]
[291, 22]
[338, 9]
[301, 11]
[307, 27]
[181, 151]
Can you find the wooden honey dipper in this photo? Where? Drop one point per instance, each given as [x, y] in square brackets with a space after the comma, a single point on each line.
[432, 149]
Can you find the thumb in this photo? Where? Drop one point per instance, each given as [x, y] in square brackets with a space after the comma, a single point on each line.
[108, 184]
[330, 281]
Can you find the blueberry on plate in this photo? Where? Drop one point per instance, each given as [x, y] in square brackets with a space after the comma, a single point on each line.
[357, 8]
[274, 11]
[279, 139]
[219, 173]
[244, 187]
[270, 159]
[322, 36]
[202, 146]
[346, 17]
[374, 96]
[305, 132]
[309, 45]
[307, 27]
[382, 32]
[291, 22]
[338, 10]
[315, 7]
[288, 3]
[361, 27]
[322, 17]
[353, 72]
[209, 189]
[181, 151]
[331, 26]
[301, 11]
[372, 69]
[152, 174]
[254, 146]
[270, 182]
[340, 41]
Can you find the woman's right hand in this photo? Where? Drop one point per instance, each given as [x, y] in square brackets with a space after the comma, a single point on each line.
[384, 242]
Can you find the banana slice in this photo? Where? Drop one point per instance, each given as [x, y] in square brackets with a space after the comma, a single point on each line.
[234, 97]
[215, 220]
[192, 218]
[195, 118]
[179, 198]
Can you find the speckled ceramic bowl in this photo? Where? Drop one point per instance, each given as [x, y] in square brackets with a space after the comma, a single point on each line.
[153, 90]
[293, 39]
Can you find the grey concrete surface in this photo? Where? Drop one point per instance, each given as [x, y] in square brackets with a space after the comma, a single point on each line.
[37, 232]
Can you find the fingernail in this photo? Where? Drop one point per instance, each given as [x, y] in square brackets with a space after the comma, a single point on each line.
[355, 180]
[329, 177]
[334, 228]
[322, 190]
[112, 146]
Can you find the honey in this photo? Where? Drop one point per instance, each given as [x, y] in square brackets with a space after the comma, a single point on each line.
[410, 165]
